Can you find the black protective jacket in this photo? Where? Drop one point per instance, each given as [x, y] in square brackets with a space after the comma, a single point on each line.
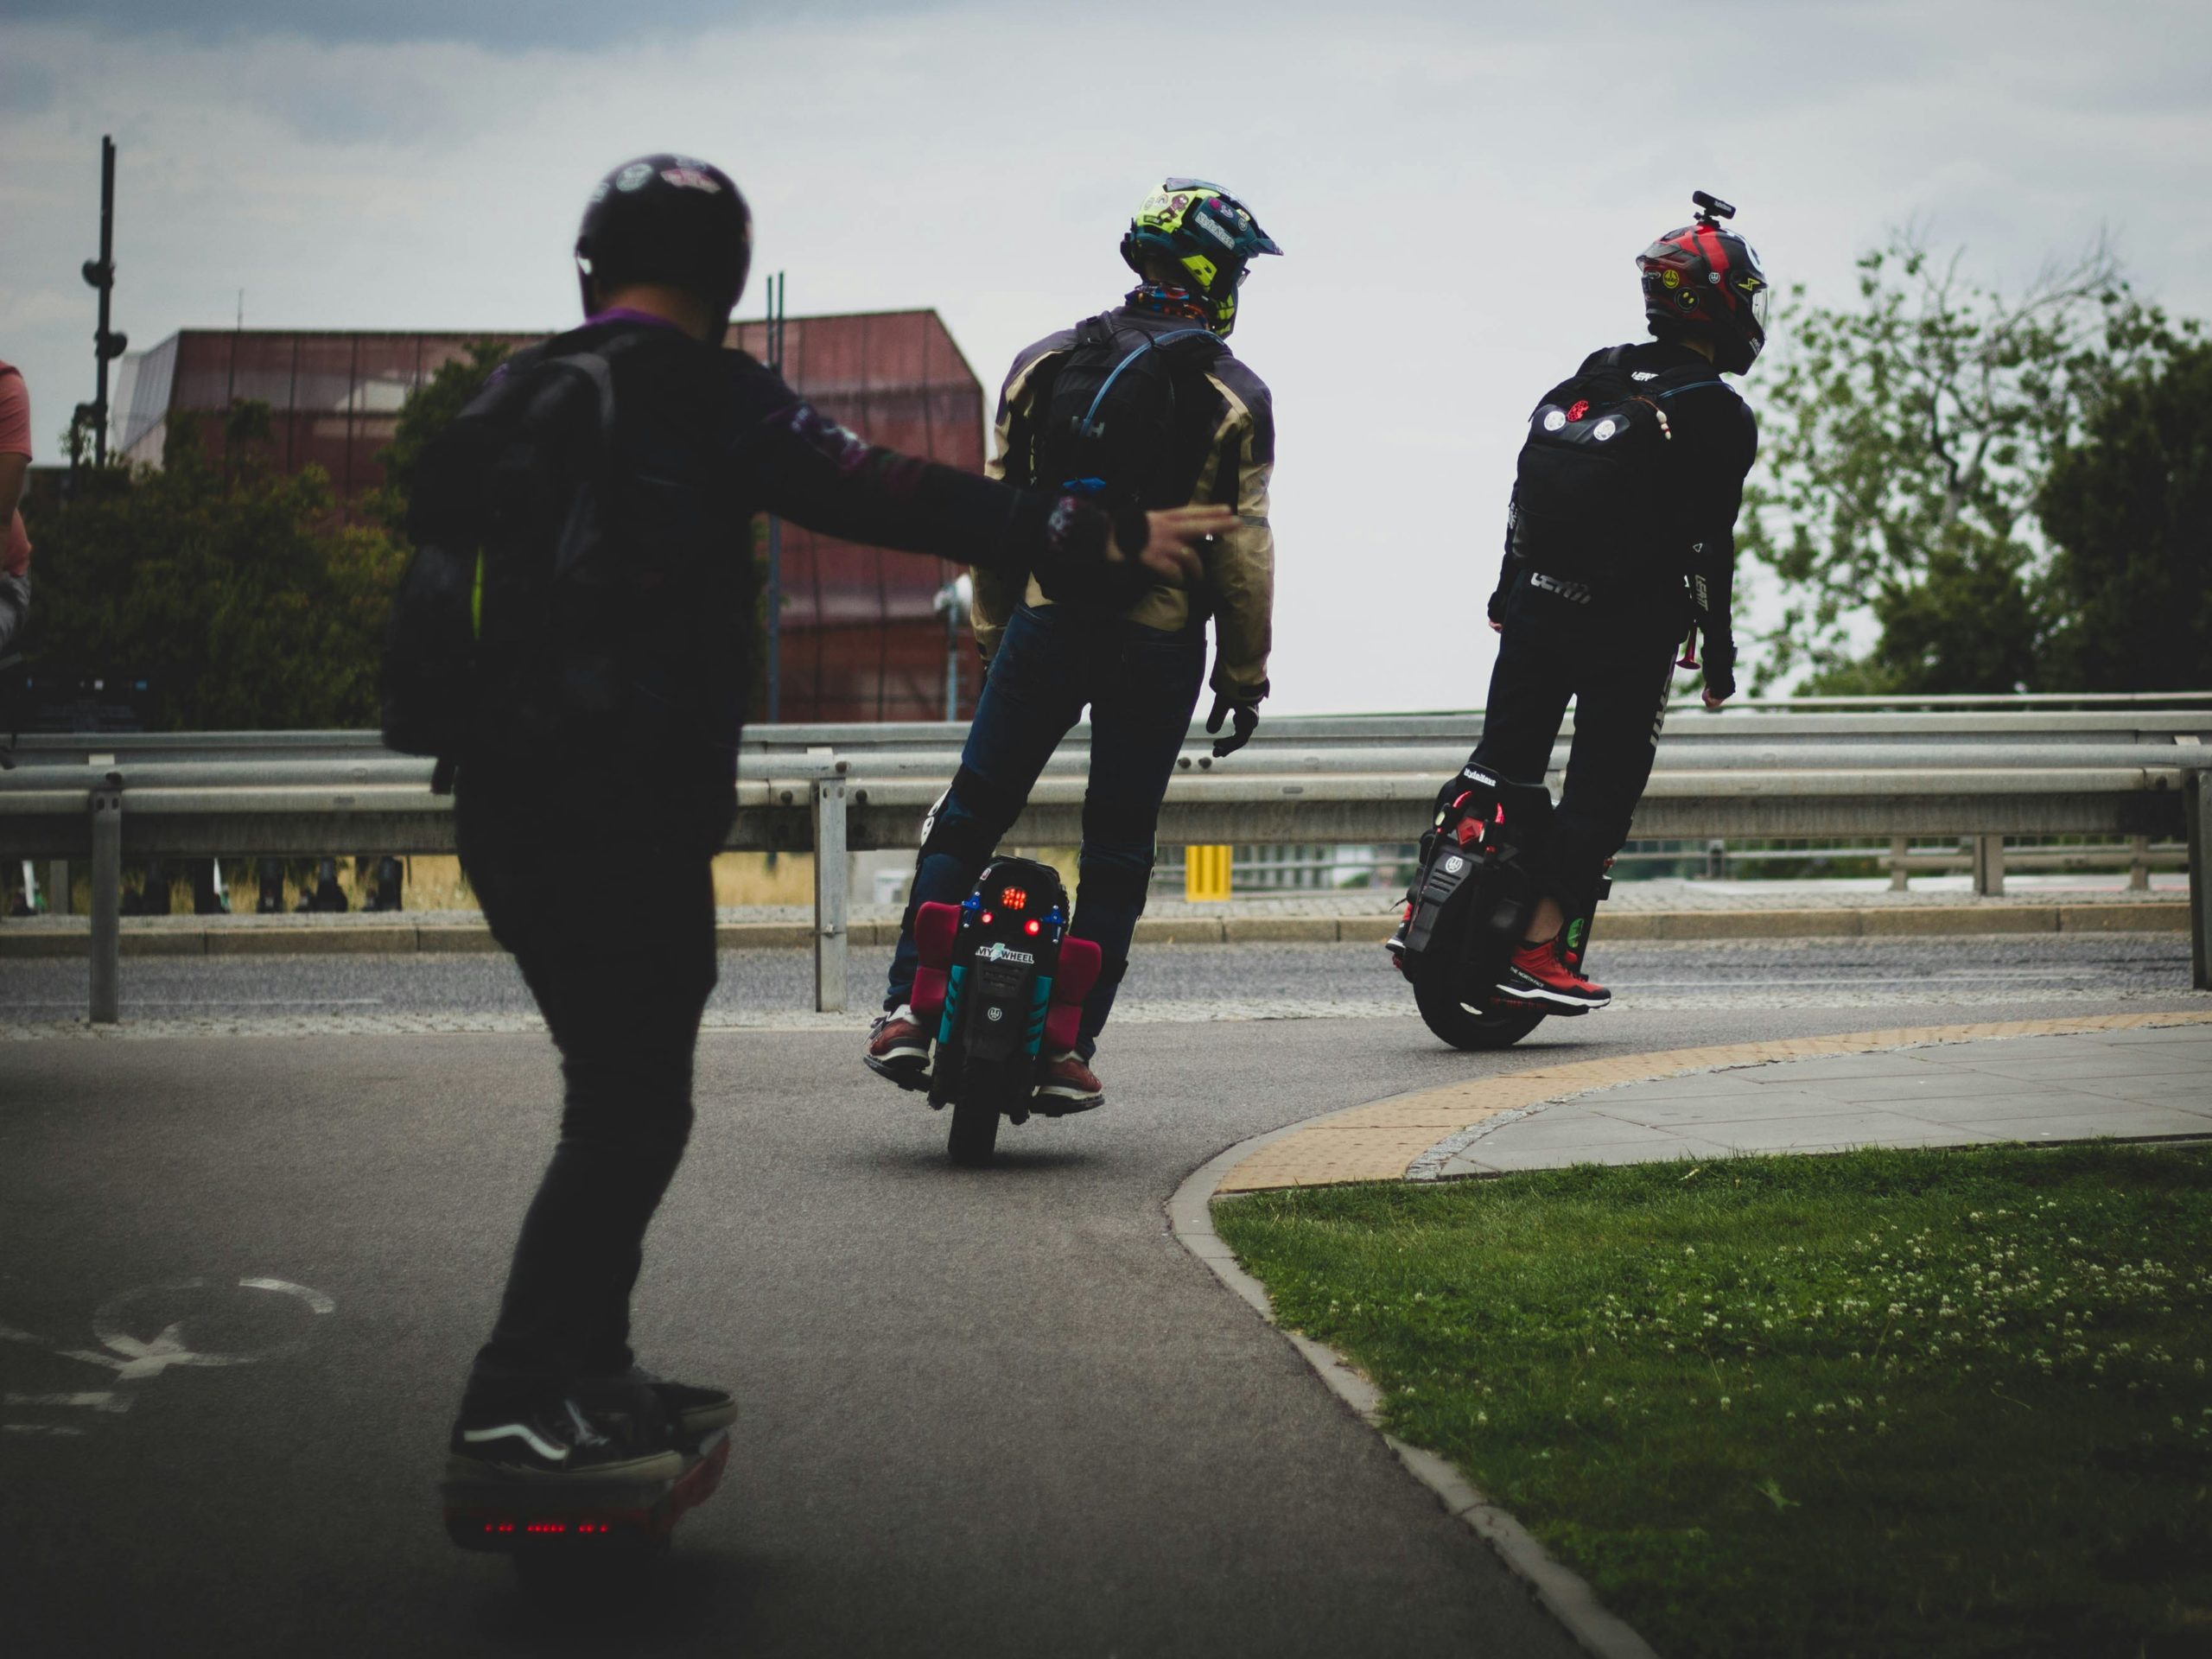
[1229, 425]
[1715, 438]
[705, 439]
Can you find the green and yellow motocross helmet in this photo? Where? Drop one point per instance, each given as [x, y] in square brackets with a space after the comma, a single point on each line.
[1207, 231]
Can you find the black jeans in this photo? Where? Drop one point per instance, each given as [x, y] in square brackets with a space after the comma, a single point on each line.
[1141, 685]
[1618, 666]
[621, 971]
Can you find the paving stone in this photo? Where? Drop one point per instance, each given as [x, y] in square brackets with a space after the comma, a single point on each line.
[1768, 1106]
[1837, 1131]
[2126, 1123]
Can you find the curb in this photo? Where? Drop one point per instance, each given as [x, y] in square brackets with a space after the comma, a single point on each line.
[1894, 921]
[1562, 1591]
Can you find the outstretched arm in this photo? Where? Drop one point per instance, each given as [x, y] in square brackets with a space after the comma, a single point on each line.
[828, 479]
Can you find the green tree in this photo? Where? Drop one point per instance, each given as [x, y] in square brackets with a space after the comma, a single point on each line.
[430, 409]
[240, 592]
[1903, 445]
[2128, 512]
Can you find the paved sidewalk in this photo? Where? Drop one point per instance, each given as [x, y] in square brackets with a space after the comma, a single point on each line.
[2152, 1082]
[2128, 1076]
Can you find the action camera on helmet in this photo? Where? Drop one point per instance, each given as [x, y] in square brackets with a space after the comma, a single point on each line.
[1704, 281]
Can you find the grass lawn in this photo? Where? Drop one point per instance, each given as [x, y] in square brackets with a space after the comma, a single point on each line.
[1939, 1403]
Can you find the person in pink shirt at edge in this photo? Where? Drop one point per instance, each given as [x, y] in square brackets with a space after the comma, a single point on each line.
[15, 543]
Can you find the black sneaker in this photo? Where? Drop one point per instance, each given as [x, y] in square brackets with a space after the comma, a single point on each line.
[562, 1441]
[694, 1410]
[899, 1048]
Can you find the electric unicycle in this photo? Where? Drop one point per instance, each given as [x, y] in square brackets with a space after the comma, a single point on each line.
[1469, 907]
[1005, 984]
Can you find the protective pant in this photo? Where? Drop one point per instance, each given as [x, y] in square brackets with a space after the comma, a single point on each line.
[1141, 685]
[1618, 665]
[622, 972]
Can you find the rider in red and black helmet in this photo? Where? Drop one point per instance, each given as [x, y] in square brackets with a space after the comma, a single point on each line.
[1703, 282]
[1620, 535]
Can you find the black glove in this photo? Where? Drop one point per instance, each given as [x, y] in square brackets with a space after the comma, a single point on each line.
[1245, 721]
[1720, 669]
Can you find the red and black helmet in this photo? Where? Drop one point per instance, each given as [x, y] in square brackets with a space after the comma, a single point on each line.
[1704, 281]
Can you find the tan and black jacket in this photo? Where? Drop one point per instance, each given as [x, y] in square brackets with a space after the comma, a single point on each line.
[1234, 422]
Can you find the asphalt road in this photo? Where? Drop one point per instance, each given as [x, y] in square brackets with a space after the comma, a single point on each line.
[1178, 981]
[983, 1413]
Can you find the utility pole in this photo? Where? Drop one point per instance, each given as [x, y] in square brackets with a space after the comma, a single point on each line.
[107, 344]
[775, 597]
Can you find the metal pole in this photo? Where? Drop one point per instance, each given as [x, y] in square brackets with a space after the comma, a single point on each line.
[107, 898]
[100, 273]
[2196, 802]
[1989, 866]
[832, 895]
[57, 888]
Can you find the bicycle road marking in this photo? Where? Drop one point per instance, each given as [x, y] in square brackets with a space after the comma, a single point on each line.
[136, 1359]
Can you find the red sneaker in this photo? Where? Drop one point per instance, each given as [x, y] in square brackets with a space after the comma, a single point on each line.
[1069, 1086]
[1539, 974]
[898, 1048]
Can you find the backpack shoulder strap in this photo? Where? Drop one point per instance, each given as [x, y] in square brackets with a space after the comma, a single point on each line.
[1151, 342]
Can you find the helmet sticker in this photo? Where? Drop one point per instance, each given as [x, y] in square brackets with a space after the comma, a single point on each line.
[1211, 227]
[1603, 430]
[599, 191]
[1555, 420]
[633, 176]
[1671, 278]
[691, 178]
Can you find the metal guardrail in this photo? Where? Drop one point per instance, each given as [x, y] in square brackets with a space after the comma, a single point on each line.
[2128, 769]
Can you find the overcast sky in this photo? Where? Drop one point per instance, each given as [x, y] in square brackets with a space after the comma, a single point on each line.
[1460, 189]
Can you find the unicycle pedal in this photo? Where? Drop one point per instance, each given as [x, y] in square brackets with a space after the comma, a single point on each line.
[512, 1517]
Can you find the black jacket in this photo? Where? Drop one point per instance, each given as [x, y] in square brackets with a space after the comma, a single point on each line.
[1715, 438]
[705, 439]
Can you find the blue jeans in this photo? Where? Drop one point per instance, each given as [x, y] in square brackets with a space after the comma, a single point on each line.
[1142, 686]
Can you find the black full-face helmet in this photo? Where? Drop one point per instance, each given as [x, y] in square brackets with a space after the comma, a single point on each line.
[1704, 281]
[667, 218]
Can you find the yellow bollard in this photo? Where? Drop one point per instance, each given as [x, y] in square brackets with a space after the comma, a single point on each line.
[1205, 874]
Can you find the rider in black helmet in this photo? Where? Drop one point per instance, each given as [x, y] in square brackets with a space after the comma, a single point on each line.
[612, 743]
[1621, 534]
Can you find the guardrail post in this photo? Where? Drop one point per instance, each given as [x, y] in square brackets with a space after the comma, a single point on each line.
[832, 895]
[1989, 865]
[57, 888]
[2196, 804]
[107, 899]
[1899, 846]
[2138, 864]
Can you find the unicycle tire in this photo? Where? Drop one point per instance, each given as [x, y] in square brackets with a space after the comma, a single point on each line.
[974, 1134]
[1467, 1028]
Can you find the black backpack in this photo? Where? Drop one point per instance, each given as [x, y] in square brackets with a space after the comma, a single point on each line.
[1591, 487]
[1110, 426]
[509, 633]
